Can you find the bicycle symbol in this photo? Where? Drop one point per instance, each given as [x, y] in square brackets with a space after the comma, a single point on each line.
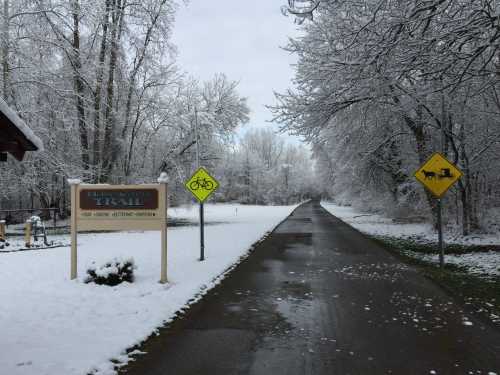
[201, 183]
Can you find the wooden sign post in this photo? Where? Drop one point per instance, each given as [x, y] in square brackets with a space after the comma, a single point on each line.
[28, 226]
[119, 207]
[2, 231]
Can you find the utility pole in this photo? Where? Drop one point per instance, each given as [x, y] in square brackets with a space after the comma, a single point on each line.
[202, 219]
[439, 203]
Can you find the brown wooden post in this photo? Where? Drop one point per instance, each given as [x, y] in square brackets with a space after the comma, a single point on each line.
[163, 205]
[74, 230]
[2, 230]
[27, 233]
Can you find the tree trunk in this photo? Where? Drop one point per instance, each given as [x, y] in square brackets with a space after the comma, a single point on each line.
[423, 153]
[138, 62]
[133, 136]
[465, 211]
[473, 188]
[97, 94]
[417, 128]
[5, 52]
[109, 117]
[464, 183]
[79, 88]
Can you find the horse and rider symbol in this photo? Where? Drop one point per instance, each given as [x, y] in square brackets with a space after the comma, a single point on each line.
[443, 173]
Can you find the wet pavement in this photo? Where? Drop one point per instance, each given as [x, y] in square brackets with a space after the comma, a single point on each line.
[317, 297]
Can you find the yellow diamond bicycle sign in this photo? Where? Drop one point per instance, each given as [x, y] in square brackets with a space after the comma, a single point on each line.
[201, 184]
[438, 174]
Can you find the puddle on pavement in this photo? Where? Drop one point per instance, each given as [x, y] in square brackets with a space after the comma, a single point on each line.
[294, 289]
[295, 225]
[293, 238]
[301, 219]
[373, 272]
[234, 308]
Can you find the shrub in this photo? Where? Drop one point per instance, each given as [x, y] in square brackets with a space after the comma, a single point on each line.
[112, 272]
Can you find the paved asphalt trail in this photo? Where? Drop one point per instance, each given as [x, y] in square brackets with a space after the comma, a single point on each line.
[317, 297]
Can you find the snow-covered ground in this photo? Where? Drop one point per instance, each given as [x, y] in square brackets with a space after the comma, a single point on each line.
[382, 226]
[188, 214]
[51, 325]
[376, 224]
[484, 263]
[16, 243]
[481, 264]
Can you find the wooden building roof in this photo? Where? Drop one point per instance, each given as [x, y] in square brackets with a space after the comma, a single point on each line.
[16, 137]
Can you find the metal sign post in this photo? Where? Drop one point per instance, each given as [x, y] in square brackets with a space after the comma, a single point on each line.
[437, 175]
[202, 185]
[202, 219]
[202, 233]
[440, 233]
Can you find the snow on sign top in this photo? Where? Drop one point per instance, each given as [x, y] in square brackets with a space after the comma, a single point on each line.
[21, 125]
[438, 174]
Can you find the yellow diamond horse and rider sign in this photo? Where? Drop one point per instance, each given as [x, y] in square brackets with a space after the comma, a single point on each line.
[438, 174]
[202, 184]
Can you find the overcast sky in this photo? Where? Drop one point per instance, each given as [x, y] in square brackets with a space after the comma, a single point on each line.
[223, 36]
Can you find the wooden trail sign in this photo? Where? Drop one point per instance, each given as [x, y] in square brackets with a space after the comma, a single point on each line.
[119, 207]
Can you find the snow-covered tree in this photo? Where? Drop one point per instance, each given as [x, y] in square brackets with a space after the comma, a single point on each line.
[98, 81]
[380, 85]
[263, 169]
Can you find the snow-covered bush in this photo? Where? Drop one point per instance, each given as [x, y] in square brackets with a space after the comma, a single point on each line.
[112, 272]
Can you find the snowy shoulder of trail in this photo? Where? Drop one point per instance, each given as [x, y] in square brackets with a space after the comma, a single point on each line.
[374, 224]
[379, 225]
[51, 325]
[483, 263]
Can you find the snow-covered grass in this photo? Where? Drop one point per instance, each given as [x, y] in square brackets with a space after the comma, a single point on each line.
[186, 214]
[51, 325]
[480, 263]
[18, 243]
[376, 224]
[382, 226]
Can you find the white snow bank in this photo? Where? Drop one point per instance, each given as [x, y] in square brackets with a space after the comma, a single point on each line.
[51, 325]
[382, 226]
[21, 125]
[213, 214]
[486, 263]
[218, 213]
